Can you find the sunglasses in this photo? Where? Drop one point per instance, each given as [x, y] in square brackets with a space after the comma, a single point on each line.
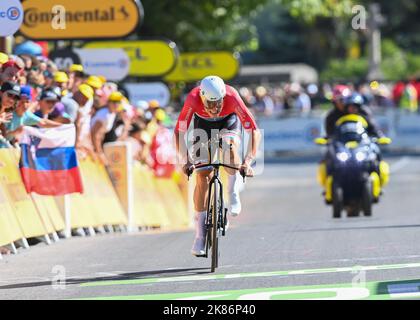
[51, 101]
[213, 105]
[12, 96]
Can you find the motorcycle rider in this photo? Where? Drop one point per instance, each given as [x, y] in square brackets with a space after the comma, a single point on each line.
[342, 98]
[345, 102]
[340, 92]
[353, 104]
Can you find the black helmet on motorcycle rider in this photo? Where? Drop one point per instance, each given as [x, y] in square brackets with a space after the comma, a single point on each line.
[353, 103]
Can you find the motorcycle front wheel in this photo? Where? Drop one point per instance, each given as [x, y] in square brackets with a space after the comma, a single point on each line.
[367, 198]
[337, 195]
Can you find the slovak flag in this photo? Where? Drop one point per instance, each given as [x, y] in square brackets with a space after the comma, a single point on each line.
[48, 162]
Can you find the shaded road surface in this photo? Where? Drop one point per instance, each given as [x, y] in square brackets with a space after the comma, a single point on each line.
[284, 245]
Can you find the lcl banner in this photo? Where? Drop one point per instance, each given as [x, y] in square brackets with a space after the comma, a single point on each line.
[80, 19]
[148, 58]
[11, 17]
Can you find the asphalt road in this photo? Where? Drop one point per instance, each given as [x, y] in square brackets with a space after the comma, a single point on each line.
[284, 245]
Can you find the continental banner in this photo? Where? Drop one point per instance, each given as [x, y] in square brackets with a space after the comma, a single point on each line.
[80, 19]
[148, 58]
[194, 66]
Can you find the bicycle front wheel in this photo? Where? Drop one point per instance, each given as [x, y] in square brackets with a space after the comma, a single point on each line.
[214, 233]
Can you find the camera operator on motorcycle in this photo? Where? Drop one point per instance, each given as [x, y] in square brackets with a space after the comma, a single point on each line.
[345, 102]
[342, 98]
[353, 104]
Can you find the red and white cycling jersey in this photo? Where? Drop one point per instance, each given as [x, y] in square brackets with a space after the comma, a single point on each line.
[232, 103]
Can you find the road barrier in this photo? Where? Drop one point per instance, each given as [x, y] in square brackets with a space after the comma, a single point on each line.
[148, 206]
[23, 207]
[136, 200]
[149, 202]
[296, 134]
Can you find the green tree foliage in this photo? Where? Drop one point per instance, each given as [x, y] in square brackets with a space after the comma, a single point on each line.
[317, 32]
[323, 28]
[202, 25]
[402, 23]
[280, 37]
[310, 10]
[396, 65]
[345, 69]
[287, 38]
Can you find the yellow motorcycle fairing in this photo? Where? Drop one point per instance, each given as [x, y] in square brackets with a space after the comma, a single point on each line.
[376, 185]
[328, 189]
[322, 174]
[352, 145]
[352, 118]
[384, 173]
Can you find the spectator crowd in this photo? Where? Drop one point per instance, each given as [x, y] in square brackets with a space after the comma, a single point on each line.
[295, 98]
[34, 92]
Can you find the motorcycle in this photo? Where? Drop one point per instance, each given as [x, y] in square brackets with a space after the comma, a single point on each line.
[353, 173]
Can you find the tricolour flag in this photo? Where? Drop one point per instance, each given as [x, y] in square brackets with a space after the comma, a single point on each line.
[48, 162]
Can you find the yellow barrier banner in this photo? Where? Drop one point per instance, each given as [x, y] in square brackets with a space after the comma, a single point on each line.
[99, 196]
[82, 210]
[182, 182]
[173, 201]
[118, 154]
[109, 204]
[148, 207]
[43, 213]
[9, 227]
[81, 215]
[47, 205]
[25, 211]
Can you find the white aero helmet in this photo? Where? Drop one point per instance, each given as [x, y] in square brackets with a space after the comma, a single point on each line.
[212, 88]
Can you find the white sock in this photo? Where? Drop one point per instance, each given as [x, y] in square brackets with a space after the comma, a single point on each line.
[235, 183]
[200, 220]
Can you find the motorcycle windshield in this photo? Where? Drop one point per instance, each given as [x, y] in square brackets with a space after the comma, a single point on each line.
[350, 131]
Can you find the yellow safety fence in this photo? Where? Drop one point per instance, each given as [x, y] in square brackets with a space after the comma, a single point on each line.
[157, 202]
[98, 205]
[150, 201]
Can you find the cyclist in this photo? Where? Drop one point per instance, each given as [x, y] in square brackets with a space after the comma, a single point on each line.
[215, 105]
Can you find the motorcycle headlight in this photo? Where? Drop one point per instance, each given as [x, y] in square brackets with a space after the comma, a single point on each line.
[342, 156]
[360, 156]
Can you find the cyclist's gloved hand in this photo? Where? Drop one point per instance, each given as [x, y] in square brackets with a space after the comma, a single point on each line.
[188, 168]
[246, 170]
